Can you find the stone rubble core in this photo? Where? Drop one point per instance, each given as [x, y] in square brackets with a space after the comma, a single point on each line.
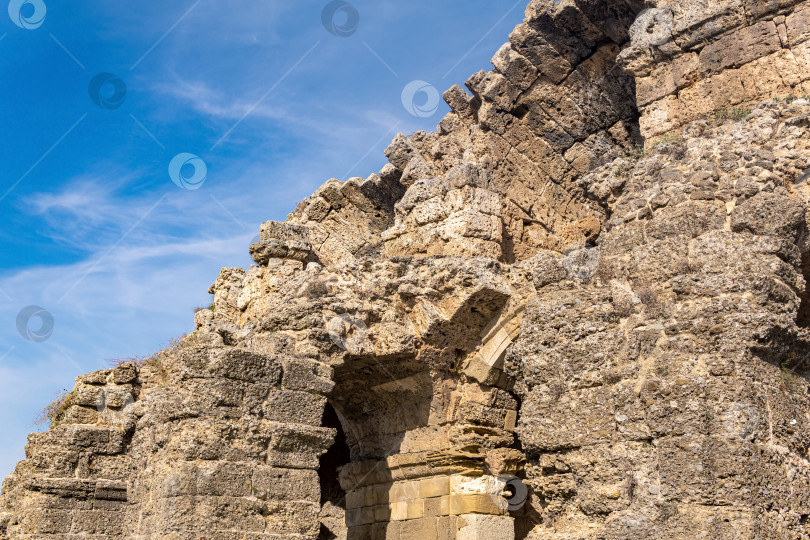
[526, 292]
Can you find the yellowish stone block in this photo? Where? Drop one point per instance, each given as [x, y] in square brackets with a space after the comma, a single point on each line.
[434, 487]
[401, 511]
[510, 421]
[470, 503]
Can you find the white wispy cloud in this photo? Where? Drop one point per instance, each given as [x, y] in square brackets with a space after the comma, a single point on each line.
[337, 120]
[127, 303]
[203, 99]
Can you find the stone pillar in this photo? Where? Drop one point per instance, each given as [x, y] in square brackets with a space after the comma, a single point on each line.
[394, 499]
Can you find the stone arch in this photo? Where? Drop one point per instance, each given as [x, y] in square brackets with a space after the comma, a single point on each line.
[429, 445]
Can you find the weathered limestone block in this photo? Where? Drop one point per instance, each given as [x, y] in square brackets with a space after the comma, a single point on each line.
[281, 241]
[667, 79]
[761, 8]
[226, 290]
[270, 483]
[798, 26]
[307, 376]
[767, 214]
[455, 215]
[297, 446]
[724, 58]
[295, 407]
[741, 47]
[514, 67]
[473, 526]
[461, 102]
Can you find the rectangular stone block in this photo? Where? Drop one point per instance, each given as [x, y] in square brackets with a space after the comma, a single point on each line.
[81, 415]
[367, 515]
[48, 521]
[515, 67]
[476, 527]
[123, 374]
[761, 8]
[418, 529]
[557, 423]
[95, 378]
[377, 494]
[288, 519]
[102, 522]
[360, 532]
[67, 488]
[353, 517]
[110, 490]
[355, 498]
[666, 79]
[272, 483]
[386, 531]
[282, 240]
[510, 421]
[294, 407]
[459, 101]
[472, 412]
[798, 26]
[740, 47]
[433, 507]
[546, 58]
[298, 446]
[446, 528]
[404, 510]
[98, 439]
[244, 365]
[306, 375]
[111, 467]
[404, 491]
[213, 478]
[470, 503]
[382, 513]
[87, 395]
[434, 487]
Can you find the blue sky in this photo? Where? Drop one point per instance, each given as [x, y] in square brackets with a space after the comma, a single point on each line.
[93, 228]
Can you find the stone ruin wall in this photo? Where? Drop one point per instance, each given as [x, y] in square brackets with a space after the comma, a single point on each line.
[520, 293]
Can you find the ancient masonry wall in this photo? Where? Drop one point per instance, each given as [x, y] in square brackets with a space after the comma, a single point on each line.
[522, 294]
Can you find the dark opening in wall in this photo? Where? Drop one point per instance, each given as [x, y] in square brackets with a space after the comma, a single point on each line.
[803, 318]
[520, 112]
[333, 498]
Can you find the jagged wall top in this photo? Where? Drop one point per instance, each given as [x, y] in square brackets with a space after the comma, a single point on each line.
[580, 83]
